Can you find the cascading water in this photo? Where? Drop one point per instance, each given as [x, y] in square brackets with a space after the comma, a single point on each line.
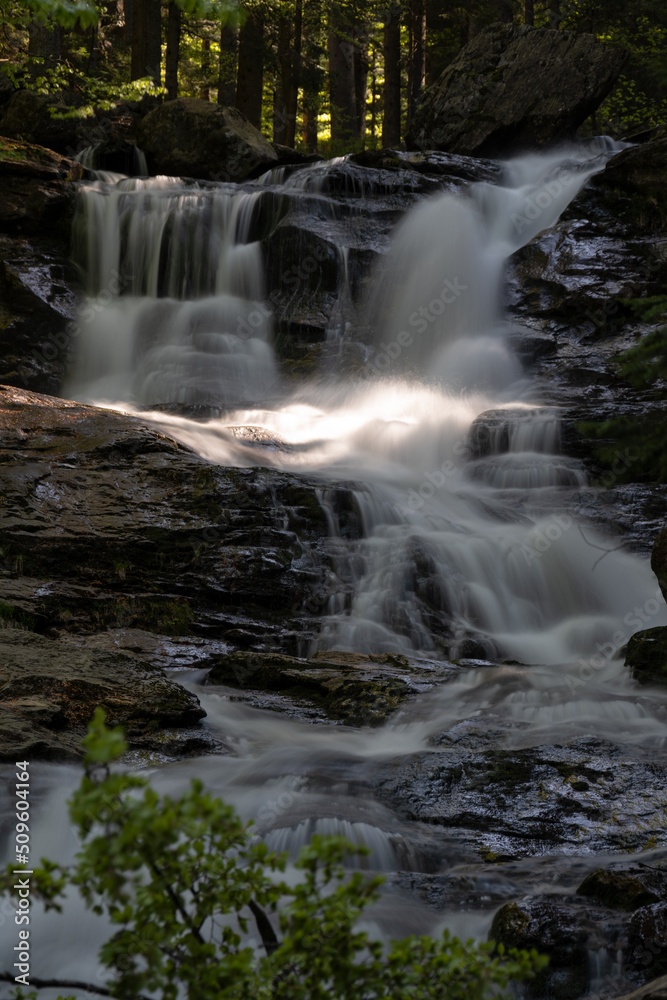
[175, 285]
[468, 547]
[463, 547]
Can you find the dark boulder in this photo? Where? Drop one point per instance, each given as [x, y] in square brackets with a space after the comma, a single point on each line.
[625, 888]
[49, 691]
[659, 560]
[193, 138]
[634, 180]
[37, 194]
[515, 87]
[647, 655]
[567, 930]
[646, 951]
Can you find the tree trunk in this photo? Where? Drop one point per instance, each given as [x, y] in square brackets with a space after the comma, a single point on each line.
[391, 123]
[146, 40]
[173, 45]
[373, 72]
[154, 39]
[505, 11]
[312, 74]
[554, 14]
[361, 64]
[292, 96]
[94, 57]
[128, 10]
[417, 67]
[283, 77]
[341, 78]
[229, 43]
[250, 78]
[529, 12]
[205, 89]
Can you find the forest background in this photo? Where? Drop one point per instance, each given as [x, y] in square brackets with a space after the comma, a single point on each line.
[327, 76]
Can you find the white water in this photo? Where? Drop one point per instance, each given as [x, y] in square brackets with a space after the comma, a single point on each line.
[175, 311]
[454, 548]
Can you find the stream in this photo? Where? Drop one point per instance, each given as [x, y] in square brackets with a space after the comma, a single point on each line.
[468, 549]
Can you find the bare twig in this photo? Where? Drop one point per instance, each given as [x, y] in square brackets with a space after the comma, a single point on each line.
[600, 547]
[65, 984]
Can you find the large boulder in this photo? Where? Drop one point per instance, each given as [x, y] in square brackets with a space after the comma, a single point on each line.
[37, 194]
[38, 303]
[515, 87]
[635, 180]
[193, 138]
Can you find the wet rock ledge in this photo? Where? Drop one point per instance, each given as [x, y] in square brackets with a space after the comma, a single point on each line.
[48, 691]
[122, 552]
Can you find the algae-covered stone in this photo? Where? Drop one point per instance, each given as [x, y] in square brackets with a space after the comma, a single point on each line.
[625, 888]
[647, 655]
[588, 794]
[49, 691]
[353, 688]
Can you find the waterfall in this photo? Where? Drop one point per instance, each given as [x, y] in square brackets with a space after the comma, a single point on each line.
[175, 310]
[468, 547]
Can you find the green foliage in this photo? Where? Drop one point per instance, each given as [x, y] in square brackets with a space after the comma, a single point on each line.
[86, 13]
[96, 93]
[67, 13]
[641, 436]
[183, 883]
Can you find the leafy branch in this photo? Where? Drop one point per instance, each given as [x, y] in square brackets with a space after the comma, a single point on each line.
[179, 879]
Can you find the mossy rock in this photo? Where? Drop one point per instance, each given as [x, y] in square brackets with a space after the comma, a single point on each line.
[647, 655]
[627, 889]
[557, 927]
[353, 688]
[49, 691]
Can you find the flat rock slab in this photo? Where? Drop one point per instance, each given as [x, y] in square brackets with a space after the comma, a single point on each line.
[49, 691]
[353, 688]
[586, 796]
